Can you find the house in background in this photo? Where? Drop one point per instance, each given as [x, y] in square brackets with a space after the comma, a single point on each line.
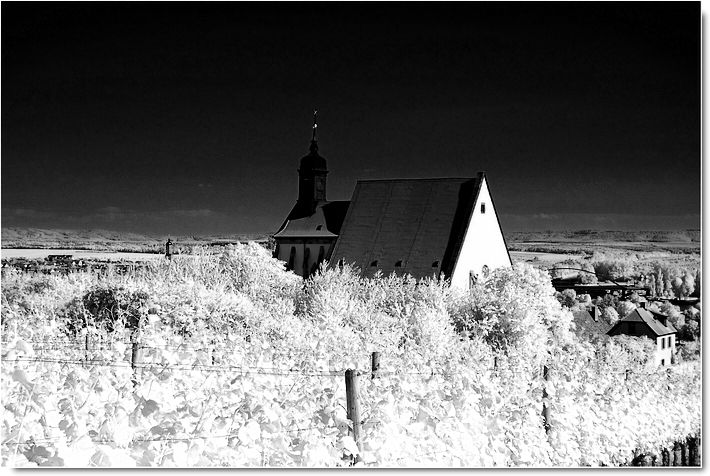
[589, 324]
[424, 228]
[655, 326]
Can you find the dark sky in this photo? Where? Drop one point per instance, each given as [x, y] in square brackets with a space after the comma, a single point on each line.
[191, 118]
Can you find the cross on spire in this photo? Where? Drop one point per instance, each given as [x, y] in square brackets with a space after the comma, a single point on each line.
[315, 112]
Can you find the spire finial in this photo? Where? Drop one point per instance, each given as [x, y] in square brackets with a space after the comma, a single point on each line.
[315, 113]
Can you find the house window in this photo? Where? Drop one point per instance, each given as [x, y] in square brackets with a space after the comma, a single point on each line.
[472, 278]
[663, 361]
[483, 208]
[663, 343]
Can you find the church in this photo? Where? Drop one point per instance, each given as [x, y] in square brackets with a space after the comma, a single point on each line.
[420, 227]
[307, 236]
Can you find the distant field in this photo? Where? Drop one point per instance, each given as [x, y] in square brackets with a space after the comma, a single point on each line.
[105, 240]
[35, 253]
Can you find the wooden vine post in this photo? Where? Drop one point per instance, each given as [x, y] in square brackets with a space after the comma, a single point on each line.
[88, 346]
[375, 364]
[545, 407]
[136, 352]
[353, 404]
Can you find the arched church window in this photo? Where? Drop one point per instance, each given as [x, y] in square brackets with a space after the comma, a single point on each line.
[292, 259]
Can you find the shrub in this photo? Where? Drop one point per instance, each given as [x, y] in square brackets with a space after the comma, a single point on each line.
[107, 308]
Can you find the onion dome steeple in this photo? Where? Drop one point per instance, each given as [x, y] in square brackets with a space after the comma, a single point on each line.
[312, 174]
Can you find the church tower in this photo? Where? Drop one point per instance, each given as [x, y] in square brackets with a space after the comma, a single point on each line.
[308, 234]
[312, 176]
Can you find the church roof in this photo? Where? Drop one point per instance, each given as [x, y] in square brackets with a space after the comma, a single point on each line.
[325, 222]
[409, 226]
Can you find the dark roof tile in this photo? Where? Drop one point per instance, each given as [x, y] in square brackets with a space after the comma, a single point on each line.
[415, 221]
[325, 222]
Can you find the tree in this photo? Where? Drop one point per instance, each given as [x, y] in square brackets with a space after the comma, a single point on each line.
[677, 284]
[688, 284]
[652, 284]
[625, 308]
[691, 331]
[610, 315]
[515, 311]
[584, 299]
[568, 298]
[613, 270]
[673, 313]
[667, 287]
[589, 277]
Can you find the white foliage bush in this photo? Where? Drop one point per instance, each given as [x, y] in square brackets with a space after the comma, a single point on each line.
[241, 364]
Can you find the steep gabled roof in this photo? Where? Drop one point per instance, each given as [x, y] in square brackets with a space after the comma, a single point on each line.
[409, 226]
[650, 318]
[586, 326]
[325, 222]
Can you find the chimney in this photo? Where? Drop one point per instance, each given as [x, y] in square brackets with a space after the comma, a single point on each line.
[595, 313]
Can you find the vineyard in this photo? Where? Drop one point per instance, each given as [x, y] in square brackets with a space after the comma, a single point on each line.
[224, 359]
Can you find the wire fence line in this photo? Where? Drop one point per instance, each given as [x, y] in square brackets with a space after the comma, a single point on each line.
[140, 439]
[242, 369]
[202, 367]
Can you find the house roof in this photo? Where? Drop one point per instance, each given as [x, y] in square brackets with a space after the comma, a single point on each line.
[409, 226]
[651, 319]
[586, 326]
[325, 222]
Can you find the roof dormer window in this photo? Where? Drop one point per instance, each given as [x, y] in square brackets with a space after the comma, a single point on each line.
[398, 264]
[319, 227]
[435, 264]
[373, 264]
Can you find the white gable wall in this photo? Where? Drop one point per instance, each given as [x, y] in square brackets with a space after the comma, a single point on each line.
[483, 244]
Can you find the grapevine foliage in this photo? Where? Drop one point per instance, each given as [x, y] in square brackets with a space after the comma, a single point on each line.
[241, 363]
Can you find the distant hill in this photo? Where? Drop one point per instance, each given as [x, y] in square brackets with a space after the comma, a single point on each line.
[24, 234]
[106, 240]
[595, 236]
